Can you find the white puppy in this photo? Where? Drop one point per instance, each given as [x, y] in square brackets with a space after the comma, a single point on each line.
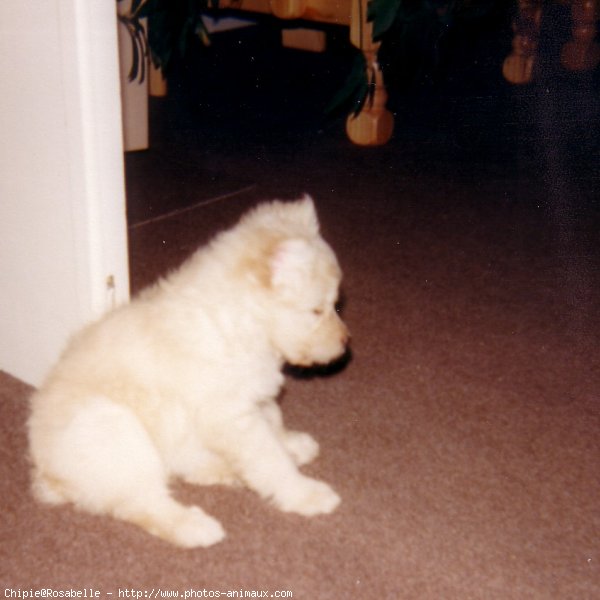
[182, 382]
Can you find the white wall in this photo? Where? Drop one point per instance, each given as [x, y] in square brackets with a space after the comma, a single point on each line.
[62, 200]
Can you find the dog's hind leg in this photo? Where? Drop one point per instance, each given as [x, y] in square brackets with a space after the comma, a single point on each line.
[162, 516]
[206, 468]
[104, 461]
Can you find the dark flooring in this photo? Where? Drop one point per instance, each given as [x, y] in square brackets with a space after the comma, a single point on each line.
[246, 114]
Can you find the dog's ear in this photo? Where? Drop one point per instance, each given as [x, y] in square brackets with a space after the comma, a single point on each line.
[307, 214]
[278, 263]
[291, 262]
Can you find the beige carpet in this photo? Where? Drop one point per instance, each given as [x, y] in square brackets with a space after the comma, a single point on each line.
[463, 437]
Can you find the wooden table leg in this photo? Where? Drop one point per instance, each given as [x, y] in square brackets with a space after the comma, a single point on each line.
[518, 66]
[582, 52]
[374, 124]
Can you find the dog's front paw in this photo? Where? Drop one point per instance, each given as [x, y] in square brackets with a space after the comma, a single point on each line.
[302, 447]
[309, 498]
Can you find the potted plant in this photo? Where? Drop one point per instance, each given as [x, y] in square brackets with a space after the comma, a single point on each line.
[415, 28]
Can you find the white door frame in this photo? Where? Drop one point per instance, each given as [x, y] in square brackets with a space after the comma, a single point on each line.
[63, 230]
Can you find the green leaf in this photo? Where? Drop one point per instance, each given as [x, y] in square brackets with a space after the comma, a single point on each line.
[136, 5]
[382, 13]
[355, 89]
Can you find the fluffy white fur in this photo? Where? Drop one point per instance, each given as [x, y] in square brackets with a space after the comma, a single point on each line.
[182, 382]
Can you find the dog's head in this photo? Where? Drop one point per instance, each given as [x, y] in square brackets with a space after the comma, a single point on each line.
[300, 278]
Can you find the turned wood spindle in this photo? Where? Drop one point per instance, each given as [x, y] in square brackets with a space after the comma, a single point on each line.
[582, 52]
[374, 124]
[518, 66]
